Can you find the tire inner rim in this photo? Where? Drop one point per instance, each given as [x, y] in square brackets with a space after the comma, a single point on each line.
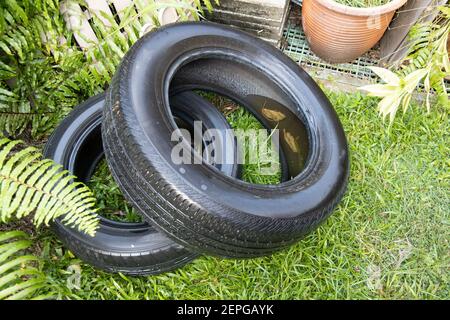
[296, 136]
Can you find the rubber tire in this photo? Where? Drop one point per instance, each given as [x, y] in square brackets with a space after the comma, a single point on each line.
[202, 209]
[130, 248]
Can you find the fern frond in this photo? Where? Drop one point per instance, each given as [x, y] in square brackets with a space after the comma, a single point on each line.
[30, 185]
[113, 40]
[14, 123]
[34, 95]
[6, 71]
[49, 71]
[6, 96]
[19, 276]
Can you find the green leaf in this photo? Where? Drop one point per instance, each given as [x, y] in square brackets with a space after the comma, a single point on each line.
[389, 106]
[411, 81]
[445, 10]
[29, 185]
[386, 75]
[19, 278]
[379, 90]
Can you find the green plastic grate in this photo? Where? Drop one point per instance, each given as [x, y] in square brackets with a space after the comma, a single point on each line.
[298, 49]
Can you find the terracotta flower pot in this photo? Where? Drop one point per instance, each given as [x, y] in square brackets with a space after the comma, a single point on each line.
[339, 33]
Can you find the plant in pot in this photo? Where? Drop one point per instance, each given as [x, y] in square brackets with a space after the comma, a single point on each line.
[342, 30]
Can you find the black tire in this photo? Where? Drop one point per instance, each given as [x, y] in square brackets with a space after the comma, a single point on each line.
[130, 248]
[203, 209]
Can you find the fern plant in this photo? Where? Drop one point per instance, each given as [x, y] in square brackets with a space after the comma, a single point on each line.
[113, 39]
[27, 69]
[427, 64]
[43, 71]
[31, 185]
[20, 276]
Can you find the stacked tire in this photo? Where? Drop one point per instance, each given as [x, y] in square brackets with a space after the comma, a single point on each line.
[193, 209]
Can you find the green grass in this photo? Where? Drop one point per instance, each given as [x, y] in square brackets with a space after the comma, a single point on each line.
[389, 237]
[240, 118]
[110, 200]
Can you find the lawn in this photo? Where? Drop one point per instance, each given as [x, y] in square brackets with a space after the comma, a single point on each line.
[388, 239]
